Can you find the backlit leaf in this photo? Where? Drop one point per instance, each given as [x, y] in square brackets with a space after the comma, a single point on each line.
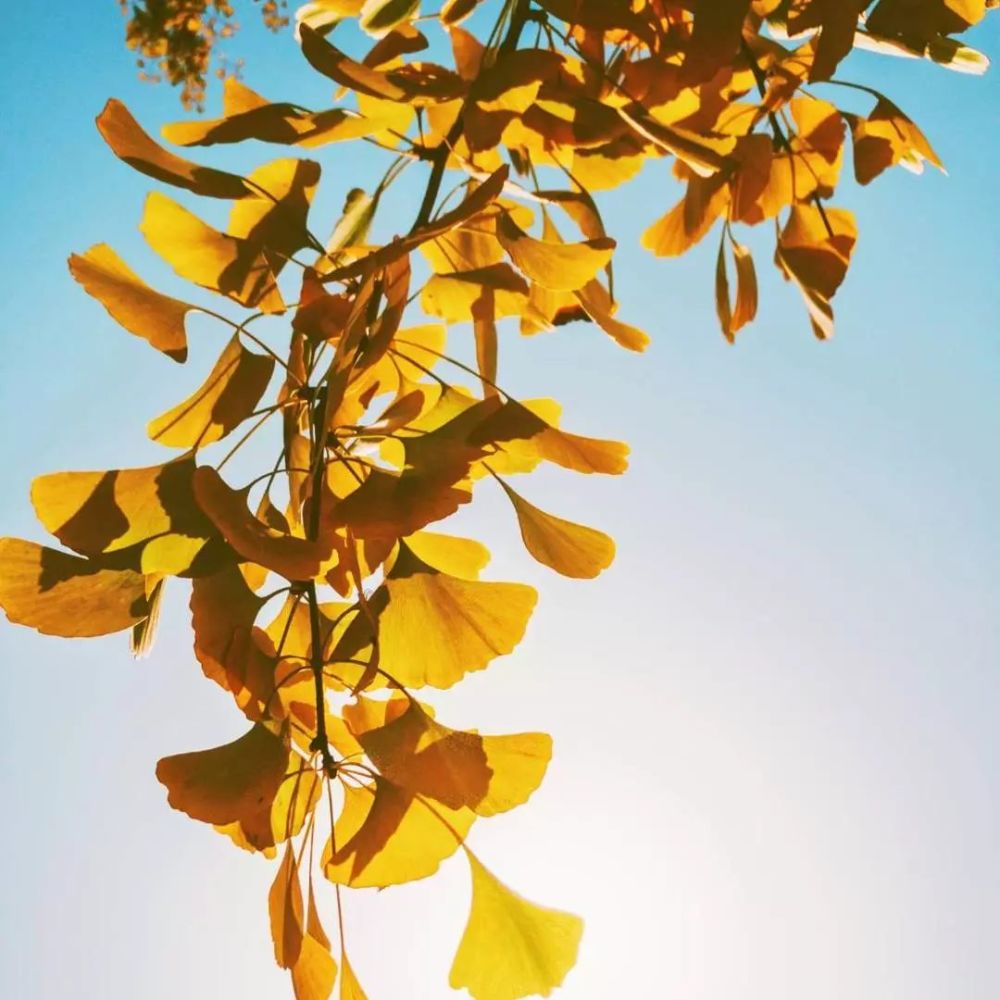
[60, 594]
[570, 549]
[158, 319]
[233, 388]
[229, 783]
[539, 945]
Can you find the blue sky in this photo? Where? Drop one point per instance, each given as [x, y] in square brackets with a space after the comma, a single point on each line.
[775, 717]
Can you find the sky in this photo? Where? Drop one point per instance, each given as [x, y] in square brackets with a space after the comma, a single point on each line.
[776, 767]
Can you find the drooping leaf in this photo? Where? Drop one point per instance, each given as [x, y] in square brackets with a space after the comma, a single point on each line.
[285, 909]
[559, 266]
[570, 549]
[539, 945]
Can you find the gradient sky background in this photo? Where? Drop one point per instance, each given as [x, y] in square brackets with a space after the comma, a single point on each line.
[775, 717]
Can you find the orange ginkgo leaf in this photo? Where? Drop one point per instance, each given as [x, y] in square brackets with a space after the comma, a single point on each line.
[488, 774]
[456, 11]
[888, 137]
[60, 594]
[571, 549]
[557, 266]
[814, 250]
[732, 318]
[539, 945]
[293, 557]
[158, 319]
[386, 836]
[233, 267]
[223, 612]
[130, 143]
[227, 784]
[94, 512]
[837, 21]
[283, 818]
[247, 115]
[227, 397]
[284, 903]
[464, 624]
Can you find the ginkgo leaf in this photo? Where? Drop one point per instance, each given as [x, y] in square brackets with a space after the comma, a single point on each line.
[386, 836]
[285, 909]
[350, 988]
[379, 17]
[733, 318]
[488, 774]
[285, 816]
[462, 557]
[227, 784]
[887, 137]
[94, 512]
[233, 267]
[158, 319]
[315, 972]
[293, 557]
[573, 550]
[814, 250]
[59, 594]
[599, 307]
[559, 266]
[223, 612]
[228, 396]
[131, 144]
[539, 945]
[286, 124]
[456, 11]
[463, 624]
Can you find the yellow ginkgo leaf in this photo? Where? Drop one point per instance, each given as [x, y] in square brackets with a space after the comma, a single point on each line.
[350, 988]
[571, 549]
[558, 266]
[387, 836]
[315, 972]
[229, 783]
[130, 143]
[93, 512]
[597, 304]
[512, 948]
[234, 267]
[60, 594]
[158, 319]
[285, 908]
[227, 397]
[463, 624]
[462, 557]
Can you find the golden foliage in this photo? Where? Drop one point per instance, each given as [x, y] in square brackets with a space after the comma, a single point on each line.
[384, 432]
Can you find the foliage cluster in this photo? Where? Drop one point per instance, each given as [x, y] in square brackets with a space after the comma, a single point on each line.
[321, 599]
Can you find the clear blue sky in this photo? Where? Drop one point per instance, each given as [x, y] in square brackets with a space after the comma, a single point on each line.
[775, 717]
